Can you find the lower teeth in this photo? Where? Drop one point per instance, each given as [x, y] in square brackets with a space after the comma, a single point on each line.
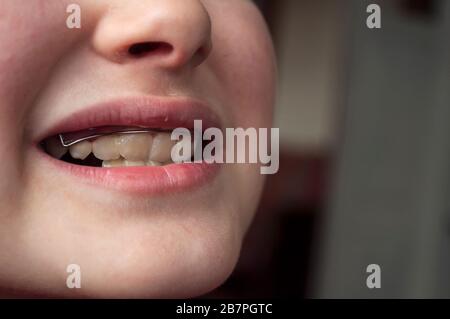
[126, 163]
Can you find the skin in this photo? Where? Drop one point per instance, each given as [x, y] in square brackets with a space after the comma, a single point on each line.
[172, 245]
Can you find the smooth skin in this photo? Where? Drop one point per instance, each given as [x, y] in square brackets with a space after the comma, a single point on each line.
[129, 246]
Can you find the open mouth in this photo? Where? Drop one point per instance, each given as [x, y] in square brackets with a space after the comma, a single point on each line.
[92, 145]
[135, 146]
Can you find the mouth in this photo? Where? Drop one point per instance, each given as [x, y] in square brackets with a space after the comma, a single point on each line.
[126, 145]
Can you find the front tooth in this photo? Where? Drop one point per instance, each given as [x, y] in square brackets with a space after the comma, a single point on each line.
[161, 148]
[106, 148]
[134, 163]
[54, 146]
[135, 147]
[81, 150]
[114, 163]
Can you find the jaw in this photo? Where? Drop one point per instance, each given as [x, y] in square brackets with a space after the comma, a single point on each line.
[180, 246]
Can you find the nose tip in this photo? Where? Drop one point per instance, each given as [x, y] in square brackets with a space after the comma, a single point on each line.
[167, 33]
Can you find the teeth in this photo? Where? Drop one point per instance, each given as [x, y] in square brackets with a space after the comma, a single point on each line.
[125, 163]
[114, 163]
[153, 163]
[134, 163]
[55, 148]
[135, 147]
[106, 148]
[81, 150]
[161, 148]
[120, 150]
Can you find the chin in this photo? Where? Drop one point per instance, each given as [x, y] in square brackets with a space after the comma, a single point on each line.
[193, 266]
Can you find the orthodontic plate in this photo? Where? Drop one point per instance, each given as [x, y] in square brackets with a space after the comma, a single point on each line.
[69, 139]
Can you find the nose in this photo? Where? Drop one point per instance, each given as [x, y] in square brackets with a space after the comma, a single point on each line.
[168, 33]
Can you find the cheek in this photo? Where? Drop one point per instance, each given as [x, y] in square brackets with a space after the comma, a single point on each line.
[33, 36]
[36, 35]
[248, 70]
[244, 54]
[33, 33]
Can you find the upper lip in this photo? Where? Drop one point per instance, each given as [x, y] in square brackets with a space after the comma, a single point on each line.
[151, 112]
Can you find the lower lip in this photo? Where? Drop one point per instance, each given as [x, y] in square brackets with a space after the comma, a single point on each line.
[146, 180]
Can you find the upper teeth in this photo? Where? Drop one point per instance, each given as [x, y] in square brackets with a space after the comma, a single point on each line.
[106, 148]
[81, 150]
[120, 149]
[160, 148]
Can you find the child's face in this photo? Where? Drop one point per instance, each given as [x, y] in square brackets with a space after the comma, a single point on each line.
[154, 232]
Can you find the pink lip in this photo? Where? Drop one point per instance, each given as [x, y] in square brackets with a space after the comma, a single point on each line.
[155, 112]
[148, 112]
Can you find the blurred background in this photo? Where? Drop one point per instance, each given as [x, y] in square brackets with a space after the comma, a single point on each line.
[364, 175]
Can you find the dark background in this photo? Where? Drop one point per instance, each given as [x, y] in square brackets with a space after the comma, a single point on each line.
[364, 154]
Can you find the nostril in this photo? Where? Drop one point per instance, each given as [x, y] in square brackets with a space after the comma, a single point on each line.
[144, 48]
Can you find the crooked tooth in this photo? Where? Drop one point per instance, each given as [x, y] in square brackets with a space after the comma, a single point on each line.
[135, 147]
[114, 163]
[81, 150]
[55, 148]
[161, 148]
[106, 148]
